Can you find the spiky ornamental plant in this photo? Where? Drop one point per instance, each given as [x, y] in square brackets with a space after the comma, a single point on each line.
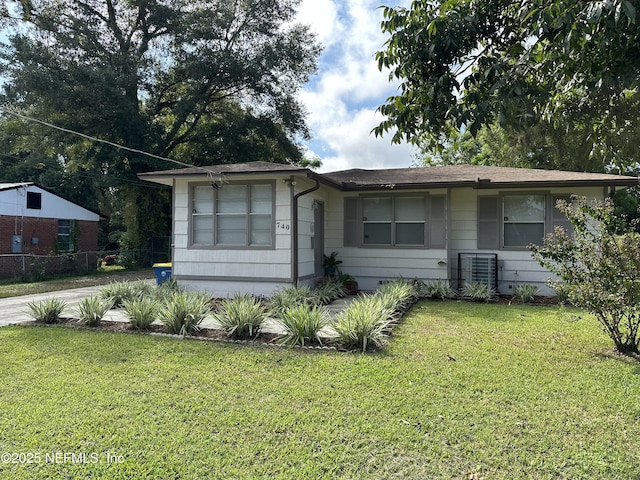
[598, 267]
[525, 293]
[184, 312]
[363, 324]
[91, 310]
[241, 317]
[478, 292]
[303, 324]
[47, 311]
[141, 312]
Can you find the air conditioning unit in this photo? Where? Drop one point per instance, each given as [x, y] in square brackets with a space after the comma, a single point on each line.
[478, 267]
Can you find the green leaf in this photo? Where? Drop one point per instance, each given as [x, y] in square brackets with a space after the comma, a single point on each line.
[629, 10]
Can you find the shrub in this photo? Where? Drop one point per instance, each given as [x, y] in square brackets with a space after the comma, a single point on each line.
[439, 289]
[141, 312]
[598, 268]
[363, 324]
[291, 297]
[397, 295]
[561, 293]
[118, 292]
[328, 291]
[478, 291]
[91, 310]
[47, 311]
[525, 293]
[184, 312]
[242, 316]
[302, 324]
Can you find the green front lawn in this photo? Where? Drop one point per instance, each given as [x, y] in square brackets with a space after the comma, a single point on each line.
[463, 391]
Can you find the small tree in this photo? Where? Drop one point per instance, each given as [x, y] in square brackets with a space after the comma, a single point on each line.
[599, 269]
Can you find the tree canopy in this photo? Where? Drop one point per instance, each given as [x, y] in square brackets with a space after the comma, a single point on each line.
[202, 82]
[465, 64]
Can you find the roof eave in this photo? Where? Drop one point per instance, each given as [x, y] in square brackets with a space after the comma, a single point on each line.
[485, 185]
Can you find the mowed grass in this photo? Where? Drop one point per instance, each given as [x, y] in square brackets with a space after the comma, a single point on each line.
[463, 391]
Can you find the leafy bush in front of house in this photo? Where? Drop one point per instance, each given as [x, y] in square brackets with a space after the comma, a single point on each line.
[91, 310]
[292, 296]
[439, 289]
[598, 267]
[47, 311]
[141, 312]
[363, 324]
[184, 312]
[478, 292]
[329, 291]
[302, 324]
[525, 293]
[241, 317]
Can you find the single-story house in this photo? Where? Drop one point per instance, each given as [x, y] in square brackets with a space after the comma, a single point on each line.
[256, 227]
[36, 222]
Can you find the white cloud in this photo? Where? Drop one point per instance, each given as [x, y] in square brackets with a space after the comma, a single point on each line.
[343, 97]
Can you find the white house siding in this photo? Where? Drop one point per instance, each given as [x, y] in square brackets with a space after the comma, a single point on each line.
[514, 266]
[371, 266]
[307, 228]
[227, 271]
[13, 202]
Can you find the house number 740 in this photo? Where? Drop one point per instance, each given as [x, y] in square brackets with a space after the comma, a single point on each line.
[283, 225]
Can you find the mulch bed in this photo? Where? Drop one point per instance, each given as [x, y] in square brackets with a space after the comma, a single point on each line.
[206, 334]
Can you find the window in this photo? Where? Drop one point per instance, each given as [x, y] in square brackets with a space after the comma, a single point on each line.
[514, 221]
[523, 219]
[65, 235]
[34, 200]
[236, 215]
[394, 220]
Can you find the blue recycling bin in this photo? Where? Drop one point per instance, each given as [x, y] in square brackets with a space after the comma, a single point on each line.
[162, 272]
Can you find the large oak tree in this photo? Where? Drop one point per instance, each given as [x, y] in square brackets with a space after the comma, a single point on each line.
[197, 81]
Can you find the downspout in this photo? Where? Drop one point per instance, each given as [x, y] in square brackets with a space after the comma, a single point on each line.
[294, 227]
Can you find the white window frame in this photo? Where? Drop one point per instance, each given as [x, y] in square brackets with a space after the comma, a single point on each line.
[507, 220]
[65, 240]
[393, 221]
[250, 217]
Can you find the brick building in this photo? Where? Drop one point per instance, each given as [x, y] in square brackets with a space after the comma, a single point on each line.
[41, 230]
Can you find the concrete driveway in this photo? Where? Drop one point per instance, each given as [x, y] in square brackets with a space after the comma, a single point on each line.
[15, 309]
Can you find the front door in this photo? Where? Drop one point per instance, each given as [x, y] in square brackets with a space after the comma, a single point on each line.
[318, 237]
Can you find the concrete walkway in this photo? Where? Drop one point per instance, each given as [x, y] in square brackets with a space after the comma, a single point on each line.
[15, 310]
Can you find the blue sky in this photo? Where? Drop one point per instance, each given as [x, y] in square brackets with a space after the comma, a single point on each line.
[341, 99]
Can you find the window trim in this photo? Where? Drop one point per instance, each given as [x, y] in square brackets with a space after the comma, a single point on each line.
[34, 204]
[427, 222]
[501, 217]
[69, 246]
[216, 246]
[550, 204]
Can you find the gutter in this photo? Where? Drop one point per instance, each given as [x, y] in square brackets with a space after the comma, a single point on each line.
[294, 226]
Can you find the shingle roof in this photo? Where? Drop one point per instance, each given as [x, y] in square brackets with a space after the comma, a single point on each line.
[480, 176]
[227, 168]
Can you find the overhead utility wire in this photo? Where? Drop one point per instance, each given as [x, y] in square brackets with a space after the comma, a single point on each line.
[211, 173]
